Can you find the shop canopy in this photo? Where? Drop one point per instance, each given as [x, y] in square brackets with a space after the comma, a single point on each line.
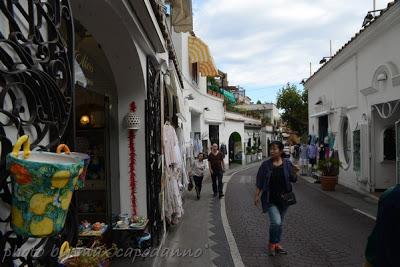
[199, 52]
[229, 96]
[181, 15]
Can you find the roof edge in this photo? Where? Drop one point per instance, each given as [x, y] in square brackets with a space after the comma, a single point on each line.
[361, 33]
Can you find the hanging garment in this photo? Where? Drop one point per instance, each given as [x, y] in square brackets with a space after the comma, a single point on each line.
[170, 142]
[312, 151]
[223, 149]
[331, 141]
[198, 147]
[303, 152]
[173, 198]
[321, 152]
[327, 151]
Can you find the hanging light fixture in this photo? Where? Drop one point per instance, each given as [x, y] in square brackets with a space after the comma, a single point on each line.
[85, 120]
[132, 119]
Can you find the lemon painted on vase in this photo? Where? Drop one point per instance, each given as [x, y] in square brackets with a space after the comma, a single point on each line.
[43, 186]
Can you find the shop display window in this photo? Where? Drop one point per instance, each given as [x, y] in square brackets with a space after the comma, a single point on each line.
[91, 138]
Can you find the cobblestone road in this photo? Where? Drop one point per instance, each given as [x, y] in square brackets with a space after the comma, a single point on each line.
[318, 231]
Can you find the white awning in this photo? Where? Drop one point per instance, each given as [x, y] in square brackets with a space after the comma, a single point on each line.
[211, 121]
[322, 113]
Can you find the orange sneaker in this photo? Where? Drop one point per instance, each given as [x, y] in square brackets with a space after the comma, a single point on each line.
[272, 249]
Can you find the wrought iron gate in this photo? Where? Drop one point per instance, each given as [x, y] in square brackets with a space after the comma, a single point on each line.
[36, 97]
[153, 151]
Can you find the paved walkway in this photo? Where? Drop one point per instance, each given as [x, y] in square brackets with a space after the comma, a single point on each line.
[321, 230]
[201, 228]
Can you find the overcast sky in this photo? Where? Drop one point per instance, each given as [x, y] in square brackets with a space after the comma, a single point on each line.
[263, 44]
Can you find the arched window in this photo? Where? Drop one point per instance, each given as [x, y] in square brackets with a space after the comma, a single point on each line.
[389, 144]
[346, 140]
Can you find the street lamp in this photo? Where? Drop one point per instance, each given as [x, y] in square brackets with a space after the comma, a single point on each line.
[324, 59]
[370, 17]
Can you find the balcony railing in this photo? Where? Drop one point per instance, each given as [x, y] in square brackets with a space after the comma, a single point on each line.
[216, 94]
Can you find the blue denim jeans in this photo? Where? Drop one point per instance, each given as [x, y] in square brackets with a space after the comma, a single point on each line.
[276, 216]
[217, 184]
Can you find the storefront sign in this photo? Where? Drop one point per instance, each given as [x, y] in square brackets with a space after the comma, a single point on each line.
[86, 65]
[84, 62]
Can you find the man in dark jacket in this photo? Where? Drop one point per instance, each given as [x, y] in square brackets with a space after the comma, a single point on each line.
[217, 168]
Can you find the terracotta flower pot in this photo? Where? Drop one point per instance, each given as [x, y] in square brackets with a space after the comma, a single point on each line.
[328, 183]
[42, 188]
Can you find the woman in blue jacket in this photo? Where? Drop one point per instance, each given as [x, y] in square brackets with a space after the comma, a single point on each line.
[274, 178]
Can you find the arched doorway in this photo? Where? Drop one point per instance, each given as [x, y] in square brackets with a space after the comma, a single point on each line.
[137, 77]
[96, 126]
[235, 148]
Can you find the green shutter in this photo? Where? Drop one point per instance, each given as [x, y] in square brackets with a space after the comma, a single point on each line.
[357, 151]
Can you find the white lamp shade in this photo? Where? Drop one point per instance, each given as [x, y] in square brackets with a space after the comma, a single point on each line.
[133, 121]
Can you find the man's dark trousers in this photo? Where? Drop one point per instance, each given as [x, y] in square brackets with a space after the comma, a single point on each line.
[217, 178]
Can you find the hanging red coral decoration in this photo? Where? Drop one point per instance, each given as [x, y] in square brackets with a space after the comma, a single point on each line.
[132, 160]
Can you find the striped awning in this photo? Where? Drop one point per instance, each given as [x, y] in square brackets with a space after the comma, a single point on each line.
[199, 52]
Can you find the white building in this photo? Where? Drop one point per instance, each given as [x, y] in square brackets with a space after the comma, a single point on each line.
[203, 113]
[267, 111]
[356, 96]
[122, 54]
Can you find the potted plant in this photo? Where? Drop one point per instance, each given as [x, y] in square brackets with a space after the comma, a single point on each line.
[259, 154]
[329, 169]
[248, 154]
[253, 155]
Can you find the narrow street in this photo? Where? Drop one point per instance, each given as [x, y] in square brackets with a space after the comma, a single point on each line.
[115, 115]
[318, 231]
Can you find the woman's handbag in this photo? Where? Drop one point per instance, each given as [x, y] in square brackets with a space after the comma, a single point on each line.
[190, 185]
[288, 199]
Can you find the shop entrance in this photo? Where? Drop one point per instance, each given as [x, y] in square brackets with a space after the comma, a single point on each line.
[214, 134]
[322, 127]
[235, 149]
[384, 145]
[95, 126]
[92, 127]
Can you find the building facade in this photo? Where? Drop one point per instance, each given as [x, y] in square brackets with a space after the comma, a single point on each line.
[268, 112]
[355, 97]
[98, 58]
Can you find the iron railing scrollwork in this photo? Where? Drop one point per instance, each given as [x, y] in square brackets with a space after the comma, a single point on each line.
[36, 98]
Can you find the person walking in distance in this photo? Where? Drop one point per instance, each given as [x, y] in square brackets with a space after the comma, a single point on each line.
[273, 184]
[217, 168]
[198, 173]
